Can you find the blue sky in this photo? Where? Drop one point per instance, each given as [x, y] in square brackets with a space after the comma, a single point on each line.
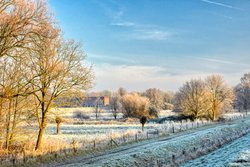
[138, 44]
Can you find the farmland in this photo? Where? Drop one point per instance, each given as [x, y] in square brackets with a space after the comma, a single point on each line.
[167, 150]
[84, 137]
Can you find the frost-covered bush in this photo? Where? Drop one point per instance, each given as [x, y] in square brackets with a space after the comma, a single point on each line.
[134, 105]
[80, 115]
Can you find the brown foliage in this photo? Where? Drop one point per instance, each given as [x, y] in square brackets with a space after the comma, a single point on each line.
[134, 105]
[198, 98]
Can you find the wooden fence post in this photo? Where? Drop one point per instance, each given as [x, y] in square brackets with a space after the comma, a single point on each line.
[173, 158]
[158, 162]
[124, 139]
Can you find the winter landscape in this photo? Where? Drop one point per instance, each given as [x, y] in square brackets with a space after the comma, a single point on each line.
[124, 83]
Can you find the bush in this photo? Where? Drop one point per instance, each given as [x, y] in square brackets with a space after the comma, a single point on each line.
[80, 115]
[134, 105]
[153, 112]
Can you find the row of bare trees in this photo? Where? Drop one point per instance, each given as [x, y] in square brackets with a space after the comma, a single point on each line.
[204, 98]
[36, 66]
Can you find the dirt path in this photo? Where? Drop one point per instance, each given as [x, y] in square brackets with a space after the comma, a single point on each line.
[136, 149]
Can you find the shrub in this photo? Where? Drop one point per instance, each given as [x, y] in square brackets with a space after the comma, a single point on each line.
[153, 112]
[58, 121]
[80, 115]
[134, 105]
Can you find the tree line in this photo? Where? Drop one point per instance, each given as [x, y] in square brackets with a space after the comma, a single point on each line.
[198, 98]
[37, 65]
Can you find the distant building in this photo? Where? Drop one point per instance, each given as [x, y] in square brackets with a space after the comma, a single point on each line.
[102, 101]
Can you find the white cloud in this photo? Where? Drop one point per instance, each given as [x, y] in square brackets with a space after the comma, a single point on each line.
[221, 4]
[106, 58]
[220, 61]
[221, 15]
[123, 24]
[141, 77]
[138, 31]
[150, 34]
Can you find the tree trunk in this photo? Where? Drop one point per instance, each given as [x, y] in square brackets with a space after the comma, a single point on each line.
[57, 128]
[41, 131]
[142, 127]
[14, 122]
[8, 119]
[39, 139]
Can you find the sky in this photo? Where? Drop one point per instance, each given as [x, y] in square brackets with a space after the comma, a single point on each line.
[141, 44]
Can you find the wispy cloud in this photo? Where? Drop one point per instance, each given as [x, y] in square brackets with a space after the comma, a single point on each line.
[221, 61]
[135, 30]
[221, 15]
[123, 24]
[105, 58]
[221, 4]
[150, 34]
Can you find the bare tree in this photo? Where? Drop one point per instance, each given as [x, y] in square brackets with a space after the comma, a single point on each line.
[167, 98]
[60, 67]
[98, 107]
[220, 95]
[122, 91]
[46, 67]
[243, 93]
[12, 106]
[192, 99]
[115, 104]
[155, 97]
[20, 21]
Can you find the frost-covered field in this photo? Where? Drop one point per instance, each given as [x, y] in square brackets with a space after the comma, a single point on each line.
[101, 134]
[236, 153]
[171, 150]
[94, 134]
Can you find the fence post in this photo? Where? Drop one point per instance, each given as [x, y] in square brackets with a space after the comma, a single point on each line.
[94, 144]
[124, 139]
[14, 159]
[158, 162]
[183, 152]
[136, 138]
[173, 128]
[173, 158]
